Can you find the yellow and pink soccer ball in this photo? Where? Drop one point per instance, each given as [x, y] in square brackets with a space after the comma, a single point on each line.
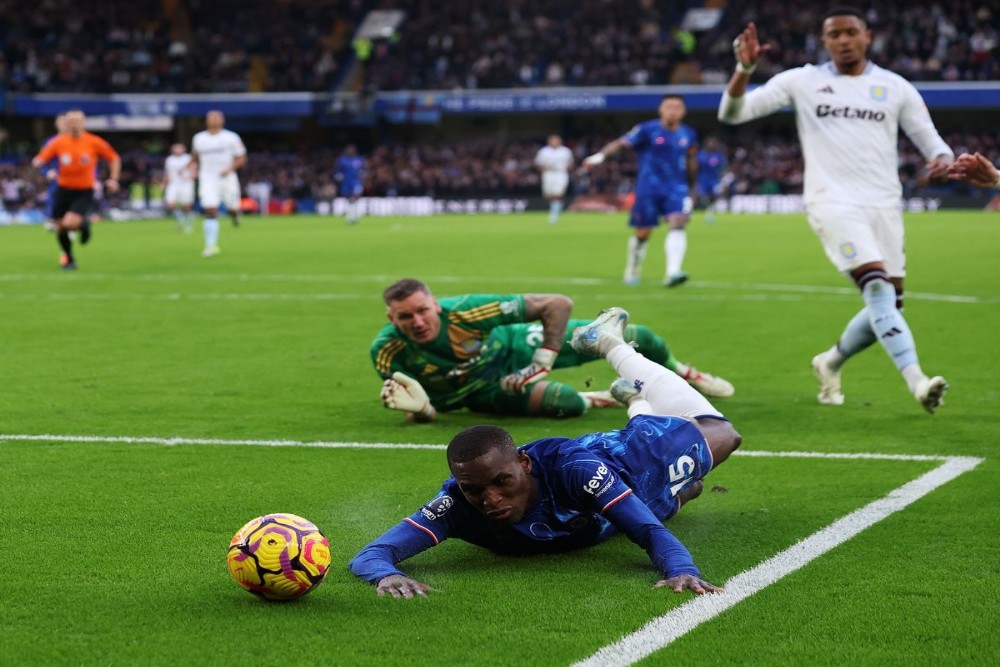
[279, 556]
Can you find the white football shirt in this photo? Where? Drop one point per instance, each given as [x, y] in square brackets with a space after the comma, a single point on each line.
[848, 127]
[216, 152]
[176, 168]
[554, 159]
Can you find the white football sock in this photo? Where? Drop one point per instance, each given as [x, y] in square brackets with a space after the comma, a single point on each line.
[211, 229]
[666, 392]
[634, 256]
[675, 246]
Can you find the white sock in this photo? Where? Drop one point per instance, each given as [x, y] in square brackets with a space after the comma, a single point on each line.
[554, 209]
[913, 375]
[639, 406]
[666, 392]
[675, 247]
[211, 229]
[634, 256]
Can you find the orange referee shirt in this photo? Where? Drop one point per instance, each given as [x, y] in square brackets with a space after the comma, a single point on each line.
[77, 158]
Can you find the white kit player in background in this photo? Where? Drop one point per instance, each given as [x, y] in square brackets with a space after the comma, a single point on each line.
[178, 181]
[217, 153]
[554, 160]
[848, 113]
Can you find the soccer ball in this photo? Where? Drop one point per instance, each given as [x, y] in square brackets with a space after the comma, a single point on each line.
[279, 556]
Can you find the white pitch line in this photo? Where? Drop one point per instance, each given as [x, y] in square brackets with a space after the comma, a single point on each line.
[215, 441]
[230, 296]
[381, 279]
[323, 444]
[663, 630]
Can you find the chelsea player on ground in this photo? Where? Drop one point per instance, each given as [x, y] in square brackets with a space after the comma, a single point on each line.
[558, 494]
[493, 353]
[668, 172]
[348, 172]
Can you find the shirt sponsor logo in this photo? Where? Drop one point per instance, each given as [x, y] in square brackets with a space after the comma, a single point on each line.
[599, 484]
[437, 508]
[824, 110]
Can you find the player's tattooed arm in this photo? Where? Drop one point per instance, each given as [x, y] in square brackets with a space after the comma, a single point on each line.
[553, 310]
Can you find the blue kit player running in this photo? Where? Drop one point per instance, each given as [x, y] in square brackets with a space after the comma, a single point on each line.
[712, 164]
[666, 186]
[559, 494]
[349, 170]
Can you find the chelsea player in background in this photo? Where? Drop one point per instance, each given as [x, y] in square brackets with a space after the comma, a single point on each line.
[348, 172]
[668, 170]
[559, 494]
[712, 164]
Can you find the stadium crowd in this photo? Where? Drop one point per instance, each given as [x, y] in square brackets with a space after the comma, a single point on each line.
[230, 46]
[758, 164]
[172, 46]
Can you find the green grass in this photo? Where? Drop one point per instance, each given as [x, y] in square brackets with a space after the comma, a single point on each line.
[114, 554]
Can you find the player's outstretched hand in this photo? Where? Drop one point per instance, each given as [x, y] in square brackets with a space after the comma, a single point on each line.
[975, 169]
[748, 49]
[688, 582]
[937, 169]
[399, 586]
[401, 392]
[593, 160]
[541, 364]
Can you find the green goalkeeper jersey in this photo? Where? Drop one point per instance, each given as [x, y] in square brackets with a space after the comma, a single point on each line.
[462, 360]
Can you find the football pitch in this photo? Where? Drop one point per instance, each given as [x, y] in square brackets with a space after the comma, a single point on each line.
[154, 401]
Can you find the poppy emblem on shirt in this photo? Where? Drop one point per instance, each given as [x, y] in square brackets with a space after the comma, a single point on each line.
[879, 93]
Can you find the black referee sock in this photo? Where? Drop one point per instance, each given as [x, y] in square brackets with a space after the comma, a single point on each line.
[84, 232]
[65, 243]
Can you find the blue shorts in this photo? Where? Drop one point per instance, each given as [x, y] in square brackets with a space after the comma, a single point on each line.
[351, 189]
[658, 457]
[648, 209]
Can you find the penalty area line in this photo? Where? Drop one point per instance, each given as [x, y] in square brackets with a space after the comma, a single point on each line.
[663, 630]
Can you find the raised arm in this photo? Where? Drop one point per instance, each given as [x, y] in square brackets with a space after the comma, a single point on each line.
[735, 105]
[609, 149]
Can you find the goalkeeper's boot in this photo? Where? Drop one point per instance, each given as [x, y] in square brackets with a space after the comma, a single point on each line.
[708, 384]
[604, 333]
[829, 381]
[599, 399]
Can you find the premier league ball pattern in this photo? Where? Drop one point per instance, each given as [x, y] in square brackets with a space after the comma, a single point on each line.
[279, 556]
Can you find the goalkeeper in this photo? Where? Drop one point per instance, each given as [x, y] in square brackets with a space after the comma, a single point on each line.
[493, 353]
